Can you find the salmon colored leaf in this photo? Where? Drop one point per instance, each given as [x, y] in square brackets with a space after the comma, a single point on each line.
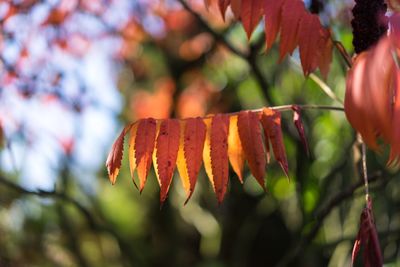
[368, 237]
[144, 146]
[271, 122]
[194, 138]
[252, 142]
[219, 154]
[235, 149]
[114, 158]
[166, 153]
[300, 128]
[131, 152]
[251, 12]
[273, 16]
[357, 101]
[309, 35]
[290, 26]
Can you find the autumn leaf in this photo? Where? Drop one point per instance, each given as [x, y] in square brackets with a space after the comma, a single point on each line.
[193, 138]
[290, 27]
[144, 146]
[272, 11]
[114, 158]
[131, 152]
[310, 32]
[251, 12]
[300, 128]
[271, 122]
[251, 140]
[368, 237]
[219, 154]
[167, 146]
[235, 149]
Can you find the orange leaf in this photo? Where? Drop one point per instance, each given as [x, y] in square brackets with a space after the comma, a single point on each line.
[166, 153]
[131, 152]
[114, 158]
[251, 139]
[309, 35]
[144, 146]
[219, 154]
[235, 150]
[290, 26]
[300, 128]
[271, 122]
[195, 134]
[272, 11]
[251, 12]
[207, 152]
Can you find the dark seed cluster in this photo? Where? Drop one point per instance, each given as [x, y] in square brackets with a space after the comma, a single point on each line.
[369, 23]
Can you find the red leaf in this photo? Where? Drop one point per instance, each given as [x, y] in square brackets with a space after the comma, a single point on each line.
[166, 153]
[309, 35]
[219, 154]
[272, 11]
[271, 122]
[299, 126]
[325, 53]
[223, 5]
[251, 12]
[114, 158]
[290, 26]
[368, 237]
[194, 137]
[251, 139]
[144, 146]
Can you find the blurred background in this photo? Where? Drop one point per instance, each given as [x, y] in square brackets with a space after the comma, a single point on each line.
[74, 72]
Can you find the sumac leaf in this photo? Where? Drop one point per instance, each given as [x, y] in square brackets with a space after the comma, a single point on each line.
[252, 142]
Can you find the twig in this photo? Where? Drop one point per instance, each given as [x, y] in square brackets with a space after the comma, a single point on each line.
[215, 34]
[249, 57]
[339, 46]
[325, 88]
[51, 194]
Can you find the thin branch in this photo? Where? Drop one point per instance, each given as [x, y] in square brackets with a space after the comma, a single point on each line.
[325, 88]
[364, 168]
[249, 57]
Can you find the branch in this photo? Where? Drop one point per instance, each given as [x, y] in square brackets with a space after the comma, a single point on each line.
[52, 194]
[250, 57]
[215, 34]
[321, 215]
